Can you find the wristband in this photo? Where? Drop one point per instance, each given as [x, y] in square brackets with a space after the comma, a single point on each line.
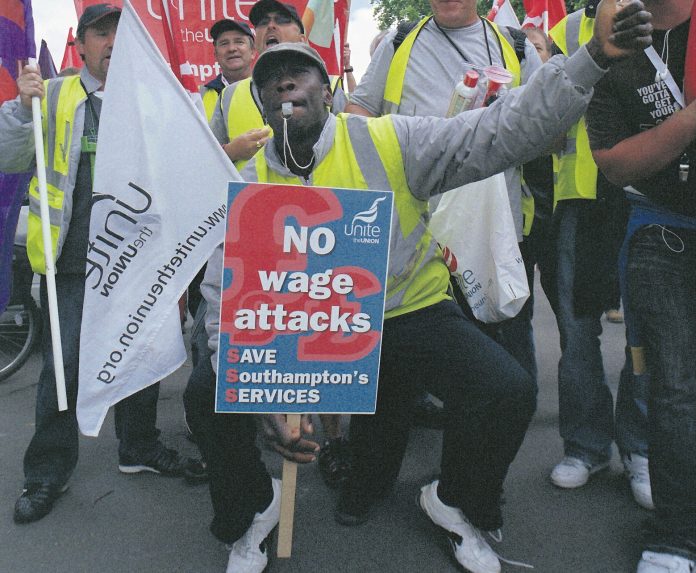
[348, 70]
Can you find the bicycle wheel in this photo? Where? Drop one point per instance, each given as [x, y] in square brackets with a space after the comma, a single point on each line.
[19, 331]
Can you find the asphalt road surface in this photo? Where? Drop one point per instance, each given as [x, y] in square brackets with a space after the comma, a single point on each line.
[112, 523]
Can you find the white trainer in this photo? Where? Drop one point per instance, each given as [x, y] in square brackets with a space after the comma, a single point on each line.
[249, 553]
[471, 550]
[639, 477]
[572, 472]
[652, 562]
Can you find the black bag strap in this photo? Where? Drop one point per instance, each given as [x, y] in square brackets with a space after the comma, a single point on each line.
[591, 8]
[402, 30]
[518, 41]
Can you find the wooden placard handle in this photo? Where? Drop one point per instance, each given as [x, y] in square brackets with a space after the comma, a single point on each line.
[287, 499]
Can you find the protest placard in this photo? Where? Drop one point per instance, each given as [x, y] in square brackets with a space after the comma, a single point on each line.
[303, 295]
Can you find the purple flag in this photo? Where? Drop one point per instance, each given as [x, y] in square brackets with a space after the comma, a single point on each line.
[12, 188]
[46, 65]
[16, 44]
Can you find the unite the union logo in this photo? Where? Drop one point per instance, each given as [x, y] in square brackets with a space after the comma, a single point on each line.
[362, 228]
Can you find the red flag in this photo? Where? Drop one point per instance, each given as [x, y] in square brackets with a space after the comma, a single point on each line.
[543, 13]
[71, 58]
[175, 49]
[690, 66]
[16, 43]
[503, 14]
[192, 19]
[8, 85]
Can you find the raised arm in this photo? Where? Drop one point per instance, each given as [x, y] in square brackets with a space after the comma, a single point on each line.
[443, 154]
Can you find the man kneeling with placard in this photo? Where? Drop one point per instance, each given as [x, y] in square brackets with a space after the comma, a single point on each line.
[488, 398]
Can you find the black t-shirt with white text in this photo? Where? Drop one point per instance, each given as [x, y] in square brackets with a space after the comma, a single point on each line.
[629, 100]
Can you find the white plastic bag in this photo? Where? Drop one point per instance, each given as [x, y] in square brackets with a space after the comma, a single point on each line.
[474, 227]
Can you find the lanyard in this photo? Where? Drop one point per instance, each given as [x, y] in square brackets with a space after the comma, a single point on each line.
[88, 143]
[485, 39]
[666, 76]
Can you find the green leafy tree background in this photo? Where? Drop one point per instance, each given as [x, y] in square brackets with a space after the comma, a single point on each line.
[388, 12]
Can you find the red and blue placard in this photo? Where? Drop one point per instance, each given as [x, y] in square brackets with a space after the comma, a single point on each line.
[303, 293]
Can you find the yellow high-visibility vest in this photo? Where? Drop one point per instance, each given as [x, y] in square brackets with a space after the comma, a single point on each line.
[209, 97]
[366, 155]
[574, 170]
[62, 152]
[394, 85]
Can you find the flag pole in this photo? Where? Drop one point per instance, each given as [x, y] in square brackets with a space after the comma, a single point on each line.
[48, 252]
[177, 58]
[345, 39]
[546, 17]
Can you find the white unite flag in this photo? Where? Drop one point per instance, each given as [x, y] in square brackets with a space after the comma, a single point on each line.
[160, 191]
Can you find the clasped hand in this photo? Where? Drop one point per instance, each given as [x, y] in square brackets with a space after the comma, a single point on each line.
[287, 441]
[620, 29]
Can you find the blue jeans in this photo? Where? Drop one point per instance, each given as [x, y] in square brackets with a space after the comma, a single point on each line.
[631, 415]
[53, 451]
[662, 288]
[586, 412]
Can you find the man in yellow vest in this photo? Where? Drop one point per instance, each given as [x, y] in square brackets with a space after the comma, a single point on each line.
[586, 205]
[415, 74]
[70, 110]
[238, 121]
[233, 42]
[239, 125]
[489, 397]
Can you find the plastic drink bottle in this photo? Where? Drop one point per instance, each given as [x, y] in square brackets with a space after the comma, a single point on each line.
[464, 94]
[498, 79]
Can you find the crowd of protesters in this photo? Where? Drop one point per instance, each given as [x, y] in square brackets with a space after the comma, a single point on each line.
[566, 166]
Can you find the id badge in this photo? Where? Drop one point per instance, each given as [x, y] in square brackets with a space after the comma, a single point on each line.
[88, 144]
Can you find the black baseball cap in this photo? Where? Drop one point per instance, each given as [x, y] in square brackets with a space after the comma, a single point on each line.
[274, 55]
[263, 7]
[226, 25]
[93, 14]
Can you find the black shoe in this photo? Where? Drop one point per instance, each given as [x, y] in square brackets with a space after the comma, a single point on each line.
[427, 414]
[355, 503]
[37, 501]
[196, 472]
[164, 461]
[351, 513]
[334, 462]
